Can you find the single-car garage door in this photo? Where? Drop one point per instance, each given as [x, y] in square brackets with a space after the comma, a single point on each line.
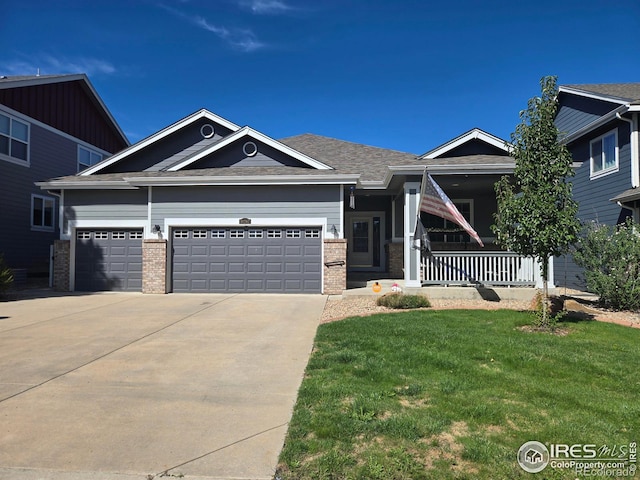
[247, 259]
[108, 260]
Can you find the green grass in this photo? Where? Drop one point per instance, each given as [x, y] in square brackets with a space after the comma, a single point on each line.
[454, 394]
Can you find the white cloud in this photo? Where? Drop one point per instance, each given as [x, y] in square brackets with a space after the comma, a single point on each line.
[241, 39]
[47, 64]
[265, 6]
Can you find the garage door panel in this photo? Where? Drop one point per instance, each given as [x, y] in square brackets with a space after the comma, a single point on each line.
[249, 259]
[199, 250]
[218, 250]
[274, 251]
[217, 267]
[236, 251]
[108, 260]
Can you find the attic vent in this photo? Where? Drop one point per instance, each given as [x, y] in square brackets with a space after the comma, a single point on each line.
[207, 130]
[250, 149]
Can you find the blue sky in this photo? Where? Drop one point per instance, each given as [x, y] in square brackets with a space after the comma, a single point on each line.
[407, 74]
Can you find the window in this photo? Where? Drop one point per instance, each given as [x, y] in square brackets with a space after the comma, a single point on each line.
[118, 235]
[87, 157]
[274, 233]
[442, 230]
[14, 139]
[604, 154]
[255, 233]
[181, 234]
[236, 234]
[312, 233]
[42, 212]
[199, 234]
[293, 233]
[217, 233]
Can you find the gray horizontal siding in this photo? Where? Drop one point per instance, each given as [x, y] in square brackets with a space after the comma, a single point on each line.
[51, 155]
[575, 112]
[322, 202]
[112, 205]
[593, 197]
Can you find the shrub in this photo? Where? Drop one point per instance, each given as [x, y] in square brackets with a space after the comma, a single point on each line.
[401, 301]
[610, 257]
[6, 276]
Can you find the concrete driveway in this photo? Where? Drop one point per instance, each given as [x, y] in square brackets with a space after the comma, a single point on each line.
[130, 386]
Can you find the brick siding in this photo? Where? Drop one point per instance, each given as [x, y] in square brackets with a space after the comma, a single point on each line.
[61, 265]
[154, 266]
[395, 259]
[335, 274]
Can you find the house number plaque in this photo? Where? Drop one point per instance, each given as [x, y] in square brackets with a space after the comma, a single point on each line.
[245, 221]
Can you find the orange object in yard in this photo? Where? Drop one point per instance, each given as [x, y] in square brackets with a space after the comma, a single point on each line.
[376, 287]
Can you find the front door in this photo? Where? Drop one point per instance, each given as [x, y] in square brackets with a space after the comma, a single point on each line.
[364, 233]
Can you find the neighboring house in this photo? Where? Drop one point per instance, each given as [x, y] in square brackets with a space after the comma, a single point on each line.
[205, 205]
[50, 125]
[599, 125]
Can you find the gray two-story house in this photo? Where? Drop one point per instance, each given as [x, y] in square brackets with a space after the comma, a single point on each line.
[50, 125]
[599, 125]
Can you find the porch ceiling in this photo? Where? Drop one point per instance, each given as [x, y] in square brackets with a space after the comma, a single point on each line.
[457, 185]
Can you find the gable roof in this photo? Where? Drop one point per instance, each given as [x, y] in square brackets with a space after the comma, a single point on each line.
[621, 93]
[249, 132]
[472, 135]
[10, 94]
[624, 97]
[165, 132]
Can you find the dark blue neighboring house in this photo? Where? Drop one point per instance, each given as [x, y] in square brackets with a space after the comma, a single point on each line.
[50, 126]
[599, 125]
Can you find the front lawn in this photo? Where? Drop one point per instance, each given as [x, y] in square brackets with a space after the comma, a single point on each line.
[454, 394]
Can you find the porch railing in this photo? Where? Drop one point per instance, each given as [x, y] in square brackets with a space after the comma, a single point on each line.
[480, 268]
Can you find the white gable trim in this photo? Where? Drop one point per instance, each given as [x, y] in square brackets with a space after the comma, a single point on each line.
[474, 134]
[594, 95]
[160, 135]
[250, 132]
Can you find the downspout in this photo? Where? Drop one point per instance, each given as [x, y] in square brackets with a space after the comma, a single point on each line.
[635, 153]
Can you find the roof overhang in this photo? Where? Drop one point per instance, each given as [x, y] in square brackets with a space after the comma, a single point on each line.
[177, 181]
[93, 185]
[133, 182]
[631, 195]
[594, 95]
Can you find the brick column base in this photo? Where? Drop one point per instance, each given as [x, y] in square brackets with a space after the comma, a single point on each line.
[61, 265]
[154, 266]
[335, 266]
[395, 259]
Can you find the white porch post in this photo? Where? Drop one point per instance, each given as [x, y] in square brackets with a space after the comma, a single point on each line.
[411, 255]
[538, 277]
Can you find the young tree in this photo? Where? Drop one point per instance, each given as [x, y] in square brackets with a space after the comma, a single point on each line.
[536, 213]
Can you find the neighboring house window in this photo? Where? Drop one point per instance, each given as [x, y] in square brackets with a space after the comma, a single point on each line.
[42, 208]
[87, 157]
[441, 230]
[14, 139]
[604, 154]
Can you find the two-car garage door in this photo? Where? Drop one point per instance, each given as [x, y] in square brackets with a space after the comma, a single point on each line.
[247, 259]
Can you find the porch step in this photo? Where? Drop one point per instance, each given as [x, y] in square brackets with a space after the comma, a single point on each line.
[452, 293]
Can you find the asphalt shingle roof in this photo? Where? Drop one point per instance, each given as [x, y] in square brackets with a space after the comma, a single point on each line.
[623, 91]
[348, 157]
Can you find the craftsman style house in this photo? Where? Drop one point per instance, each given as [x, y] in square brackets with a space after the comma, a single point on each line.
[50, 125]
[599, 125]
[205, 205]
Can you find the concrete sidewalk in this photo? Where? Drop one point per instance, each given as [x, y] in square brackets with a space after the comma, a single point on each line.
[127, 386]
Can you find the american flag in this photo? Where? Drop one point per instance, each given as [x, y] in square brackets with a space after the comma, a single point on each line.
[434, 201]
